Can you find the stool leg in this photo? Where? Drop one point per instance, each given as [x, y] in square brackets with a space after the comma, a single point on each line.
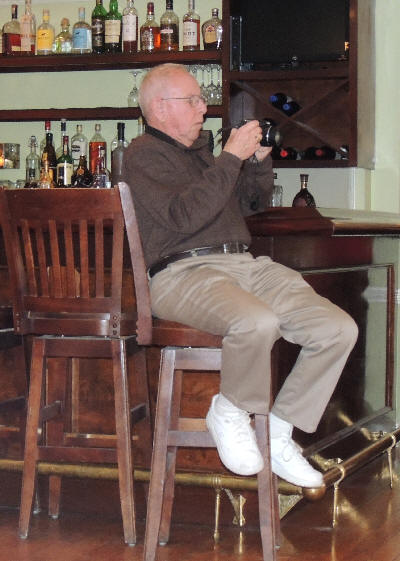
[159, 456]
[267, 496]
[124, 440]
[169, 487]
[31, 436]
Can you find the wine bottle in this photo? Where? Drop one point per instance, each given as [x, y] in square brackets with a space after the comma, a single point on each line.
[169, 29]
[12, 34]
[82, 177]
[325, 153]
[63, 128]
[98, 27]
[191, 29]
[290, 107]
[130, 28]
[278, 99]
[112, 33]
[304, 197]
[150, 32]
[212, 31]
[64, 166]
[49, 154]
[287, 153]
[95, 143]
[117, 155]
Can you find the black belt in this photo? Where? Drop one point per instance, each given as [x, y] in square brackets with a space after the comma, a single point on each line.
[230, 247]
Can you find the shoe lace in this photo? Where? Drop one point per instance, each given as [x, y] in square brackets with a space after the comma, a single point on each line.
[239, 423]
[292, 449]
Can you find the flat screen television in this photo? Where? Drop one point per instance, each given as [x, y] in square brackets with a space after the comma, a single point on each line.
[273, 32]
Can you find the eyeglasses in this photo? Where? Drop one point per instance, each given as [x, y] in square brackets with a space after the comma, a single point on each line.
[193, 100]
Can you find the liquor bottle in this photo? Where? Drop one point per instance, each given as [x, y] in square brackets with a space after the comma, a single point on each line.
[278, 99]
[45, 35]
[112, 29]
[82, 177]
[81, 35]
[130, 28]
[63, 41]
[101, 176]
[49, 154]
[12, 34]
[191, 29]
[117, 155]
[79, 146]
[64, 166]
[114, 142]
[97, 141]
[325, 153]
[287, 153]
[28, 30]
[277, 192]
[290, 107]
[140, 126]
[63, 129]
[47, 128]
[169, 28]
[150, 32]
[98, 27]
[212, 31]
[303, 197]
[32, 165]
[46, 180]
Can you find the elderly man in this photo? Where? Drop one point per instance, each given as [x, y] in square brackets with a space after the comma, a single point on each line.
[190, 208]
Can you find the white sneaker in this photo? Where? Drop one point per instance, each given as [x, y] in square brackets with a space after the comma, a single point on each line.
[288, 462]
[234, 437]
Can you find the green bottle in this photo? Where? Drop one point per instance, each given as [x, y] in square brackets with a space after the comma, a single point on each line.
[113, 29]
[99, 15]
[65, 166]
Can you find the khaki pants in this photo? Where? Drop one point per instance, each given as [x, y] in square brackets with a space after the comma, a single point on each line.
[251, 303]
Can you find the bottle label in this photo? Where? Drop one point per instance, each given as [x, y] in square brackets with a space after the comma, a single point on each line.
[64, 173]
[147, 40]
[112, 30]
[210, 34]
[169, 36]
[190, 38]
[129, 27]
[78, 148]
[82, 38]
[44, 39]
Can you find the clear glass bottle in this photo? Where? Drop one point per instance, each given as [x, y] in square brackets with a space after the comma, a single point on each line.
[63, 41]
[81, 35]
[191, 29]
[304, 197]
[98, 27]
[82, 177]
[113, 29]
[11, 39]
[150, 32]
[277, 192]
[45, 35]
[79, 146]
[46, 180]
[97, 141]
[169, 29]
[47, 128]
[32, 165]
[114, 142]
[49, 154]
[212, 31]
[140, 126]
[130, 28]
[28, 30]
[63, 129]
[117, 155]
[101, 176]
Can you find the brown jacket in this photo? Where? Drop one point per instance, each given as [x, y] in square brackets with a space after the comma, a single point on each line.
[186, 198]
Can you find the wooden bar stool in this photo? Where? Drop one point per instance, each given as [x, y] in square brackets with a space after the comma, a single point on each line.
[67, 293]
[185, 348]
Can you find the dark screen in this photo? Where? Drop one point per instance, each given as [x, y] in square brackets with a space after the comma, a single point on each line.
[275, 31]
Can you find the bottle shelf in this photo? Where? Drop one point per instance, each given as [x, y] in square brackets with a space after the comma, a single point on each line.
[119, 61]
[311, 163]
[83, 114]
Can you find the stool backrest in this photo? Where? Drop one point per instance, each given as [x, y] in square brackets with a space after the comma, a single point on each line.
[65, 252]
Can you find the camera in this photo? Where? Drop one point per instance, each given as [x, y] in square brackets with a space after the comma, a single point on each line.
[271, 135]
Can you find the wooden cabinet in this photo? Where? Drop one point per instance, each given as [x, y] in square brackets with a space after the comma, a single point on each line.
[326, 92]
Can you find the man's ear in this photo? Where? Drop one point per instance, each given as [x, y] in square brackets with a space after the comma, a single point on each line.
[158, 109]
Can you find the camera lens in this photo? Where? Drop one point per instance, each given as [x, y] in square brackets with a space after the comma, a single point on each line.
[271, 136]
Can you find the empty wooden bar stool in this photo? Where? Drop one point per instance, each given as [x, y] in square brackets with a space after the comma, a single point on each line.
[185, 348]
[65, 254]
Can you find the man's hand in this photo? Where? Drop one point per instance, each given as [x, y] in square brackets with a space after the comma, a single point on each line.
[245, 142]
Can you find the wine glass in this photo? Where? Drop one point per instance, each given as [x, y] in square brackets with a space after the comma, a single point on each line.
[212, 90]
[133, 97]
[218, 100]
